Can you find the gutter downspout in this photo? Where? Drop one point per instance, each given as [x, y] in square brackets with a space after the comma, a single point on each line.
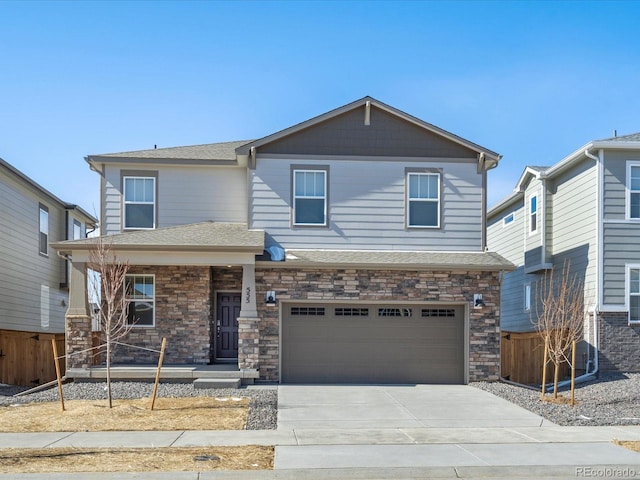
[596, 308]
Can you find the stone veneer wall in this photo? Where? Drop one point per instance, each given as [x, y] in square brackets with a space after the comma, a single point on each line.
[182, 314]
[377, 285]
[618, 343]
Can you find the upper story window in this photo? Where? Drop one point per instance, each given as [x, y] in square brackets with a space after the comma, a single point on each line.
[509, 219]
[140, 297]
[533, 213]
[44, 230]
[77, 230]
[423, 198]
[634, 295]
[527, 297]
[309, 197]
[139, 202]
[633, 189]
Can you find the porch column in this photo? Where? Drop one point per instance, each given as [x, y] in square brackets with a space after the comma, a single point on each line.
[78, 319]
[248, 321]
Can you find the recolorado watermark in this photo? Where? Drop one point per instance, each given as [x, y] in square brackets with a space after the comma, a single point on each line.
[606, 472]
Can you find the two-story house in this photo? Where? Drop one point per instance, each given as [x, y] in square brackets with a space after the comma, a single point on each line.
[585, 209]
[33, 279]
[347, 248]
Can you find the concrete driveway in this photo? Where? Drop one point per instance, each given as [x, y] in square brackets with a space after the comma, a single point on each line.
[351, 407]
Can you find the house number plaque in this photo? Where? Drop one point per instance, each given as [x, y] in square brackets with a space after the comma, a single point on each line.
[247, 297]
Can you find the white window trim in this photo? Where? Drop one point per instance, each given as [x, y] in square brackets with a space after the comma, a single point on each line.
[153, 312]
[526, 306]
[75, 223]
[627, 192]
[506, 224]
[41, 209]
[627, 291]
[125, 202]
[529, 214]
[409, 199]
[295, 197]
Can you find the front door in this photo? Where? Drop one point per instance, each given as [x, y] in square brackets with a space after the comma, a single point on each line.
[227, 312]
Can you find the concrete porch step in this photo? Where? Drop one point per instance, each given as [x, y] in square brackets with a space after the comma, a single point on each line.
[215, 383]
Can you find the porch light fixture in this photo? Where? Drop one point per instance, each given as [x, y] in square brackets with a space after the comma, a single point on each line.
[270, 297]
[477, 300]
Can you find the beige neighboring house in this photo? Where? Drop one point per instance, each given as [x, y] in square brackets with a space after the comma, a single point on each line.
[350, 247]
[34, 280]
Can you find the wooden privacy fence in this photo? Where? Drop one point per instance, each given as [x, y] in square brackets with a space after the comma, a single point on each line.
[26, 358]
[521, 358]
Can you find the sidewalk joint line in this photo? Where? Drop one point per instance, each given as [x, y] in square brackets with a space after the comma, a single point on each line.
[59, 439]
[473, 455]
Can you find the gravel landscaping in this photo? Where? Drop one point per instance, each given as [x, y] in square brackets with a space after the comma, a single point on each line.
[263, 405]
[612, 399]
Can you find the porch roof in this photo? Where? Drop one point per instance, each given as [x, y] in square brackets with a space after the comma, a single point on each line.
[195, 237]
[461, 261]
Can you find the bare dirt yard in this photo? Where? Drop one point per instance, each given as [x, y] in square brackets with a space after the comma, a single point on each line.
[173, 414]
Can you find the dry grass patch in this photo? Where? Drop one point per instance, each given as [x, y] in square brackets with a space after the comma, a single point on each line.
[192, 413]
[631, 445]
[20, 460]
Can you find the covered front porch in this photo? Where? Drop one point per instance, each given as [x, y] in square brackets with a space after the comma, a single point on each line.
[182, 271]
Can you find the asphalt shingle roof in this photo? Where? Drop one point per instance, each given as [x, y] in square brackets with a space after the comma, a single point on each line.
[209, 151]
[433, 260]
[634, 137]
[205, 236]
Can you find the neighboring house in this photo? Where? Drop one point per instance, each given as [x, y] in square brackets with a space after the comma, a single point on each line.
[33, 278]
[347, 248]
[585, 209]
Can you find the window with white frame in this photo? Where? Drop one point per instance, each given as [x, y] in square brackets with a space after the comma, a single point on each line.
[139, 202]
[77, 230]
[633, 189]
[533, 213]
[423, 199]
[527, 297]
[634, 295]
[139, 291]
[44, 230]
[508, 219]
[309, 197]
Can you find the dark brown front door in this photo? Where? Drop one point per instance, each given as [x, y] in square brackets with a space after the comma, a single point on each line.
[227, 311]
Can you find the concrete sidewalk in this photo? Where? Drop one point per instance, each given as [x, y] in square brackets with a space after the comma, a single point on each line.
[386, 433]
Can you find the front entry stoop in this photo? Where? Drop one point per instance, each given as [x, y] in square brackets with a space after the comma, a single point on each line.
[216, 383]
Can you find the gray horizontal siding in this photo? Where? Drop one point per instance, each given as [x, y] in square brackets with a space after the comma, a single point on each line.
[22, 269]
[534, 240]
[621, 247]
[367, 207]
[513, 317]
[615, 181]
[507, 240]
[185, 195]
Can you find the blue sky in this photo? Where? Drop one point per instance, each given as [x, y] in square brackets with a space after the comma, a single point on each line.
[533, 81]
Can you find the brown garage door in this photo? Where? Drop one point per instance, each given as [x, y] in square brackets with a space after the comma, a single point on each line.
[333, 343]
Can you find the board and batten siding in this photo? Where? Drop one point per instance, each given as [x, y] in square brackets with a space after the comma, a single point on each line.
[572, 224]
[23, 271]
[366, 206]
[621, 238]
[185, 194]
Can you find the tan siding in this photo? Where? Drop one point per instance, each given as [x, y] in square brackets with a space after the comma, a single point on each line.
[367, 206]
[23, 270]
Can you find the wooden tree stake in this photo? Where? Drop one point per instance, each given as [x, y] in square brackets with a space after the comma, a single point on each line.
[55, 359]
[544, 368]
[155, 386]
[573, 373]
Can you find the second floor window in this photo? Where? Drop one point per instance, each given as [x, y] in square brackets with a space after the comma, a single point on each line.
[423, 200]
[309, 197]
[44, 230]
[533, 214]
[634, 295]
[139, 202]
[634, 191]
[77, 230]
[527, 297]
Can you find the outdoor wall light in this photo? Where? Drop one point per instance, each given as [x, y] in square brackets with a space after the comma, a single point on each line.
[477, 300]
[270, 297]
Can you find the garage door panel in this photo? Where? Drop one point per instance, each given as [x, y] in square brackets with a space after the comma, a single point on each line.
[341, 348]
